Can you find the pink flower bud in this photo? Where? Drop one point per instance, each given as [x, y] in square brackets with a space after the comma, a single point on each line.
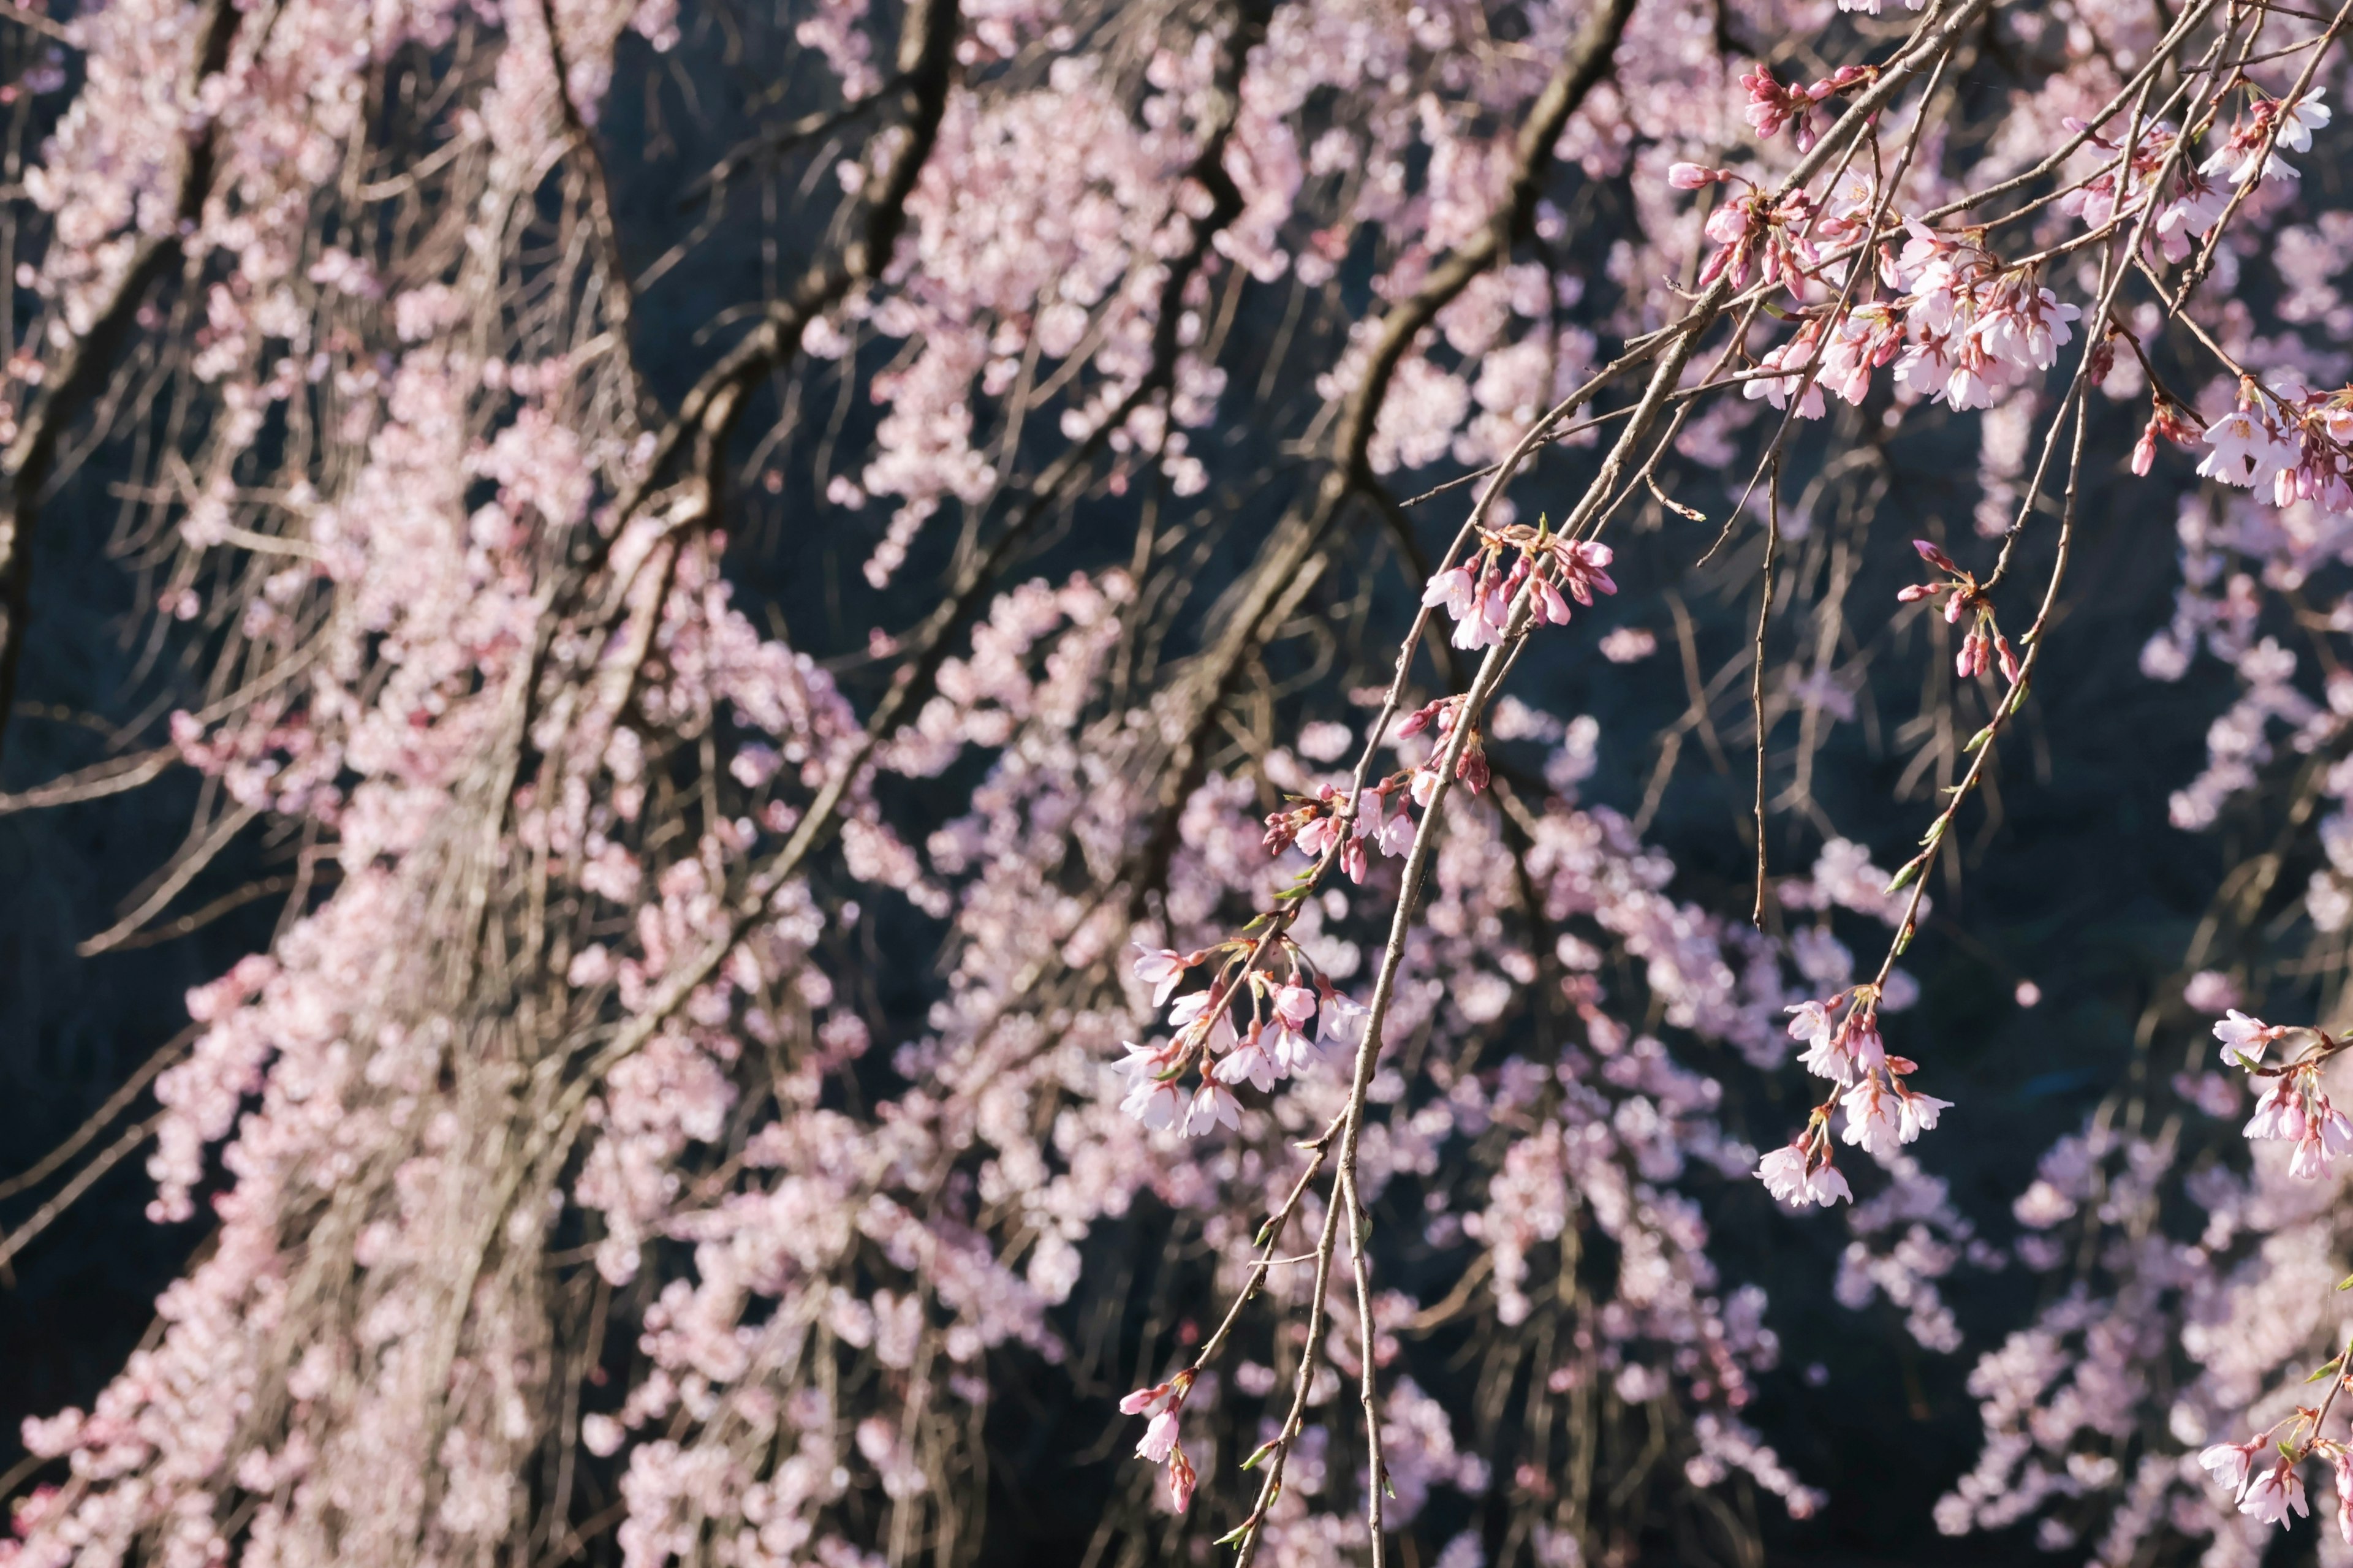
[1181, 1480]
[1419, 719]
[1691, 177]
[1473, 769]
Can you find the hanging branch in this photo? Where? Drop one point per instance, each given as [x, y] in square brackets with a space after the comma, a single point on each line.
[72, 382]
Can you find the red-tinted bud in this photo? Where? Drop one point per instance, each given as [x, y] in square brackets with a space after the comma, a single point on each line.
[1473, 769]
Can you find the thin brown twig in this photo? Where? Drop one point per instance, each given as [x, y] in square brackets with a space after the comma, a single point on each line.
[71, 1194]
[98, 1120]
[1756, 676]
[1254, 613]
[192, 861]
[116, 775]
[73, 382]
[47, 26]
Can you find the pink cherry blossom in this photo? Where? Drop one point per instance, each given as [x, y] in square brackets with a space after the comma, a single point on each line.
[2245, 449]
[2245, 1037]
[2229, 1462]
[1159, 1439]
[1212, 1106]
[1917, 1113]
[2273, 1494]
[1162, 969]
[1796, 1179]
[1252, 1062]
[1783, 1171]
[2280, 1113]
[1341, 1021]
[1873, 1118]
[1457, 589]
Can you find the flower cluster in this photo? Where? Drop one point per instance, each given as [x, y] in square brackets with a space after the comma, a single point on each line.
[1983, 645]
[1480, 593]
[2249, 152]
[2115, 194]
[1272, 1045]
[1773, 104]
[1755, 229]
[1164, 1402]
[1382, 812]
[2294, 1108]
[1880, 1112]
[2281, 439]
[1977, 327]
[2270, 1490]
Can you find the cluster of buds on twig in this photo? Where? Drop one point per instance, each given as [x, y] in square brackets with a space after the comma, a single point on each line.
[1773, 104]
[2168, 421]
[1983, 645]
[1313, 823]
[1472, 768]
[1479, 593]
[1881, 1111]
[1271, 1044]
[2269, 1492]
[1774, 235]
[1163, 1402]
[2270, 123]
[1800, 1170]
[2296, 1108]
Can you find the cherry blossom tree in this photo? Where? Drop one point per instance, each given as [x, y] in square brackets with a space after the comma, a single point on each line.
[713, 1065]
